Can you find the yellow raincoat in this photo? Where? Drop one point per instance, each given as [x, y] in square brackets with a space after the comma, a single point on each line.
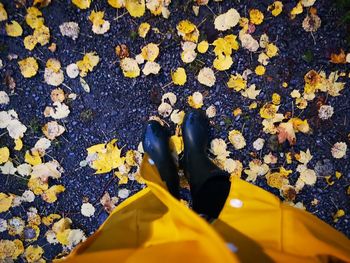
[253, 226]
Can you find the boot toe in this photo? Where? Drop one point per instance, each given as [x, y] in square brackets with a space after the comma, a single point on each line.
[195, 130]
[155, 138]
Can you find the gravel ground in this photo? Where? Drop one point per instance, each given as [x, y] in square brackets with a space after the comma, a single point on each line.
[118, 107]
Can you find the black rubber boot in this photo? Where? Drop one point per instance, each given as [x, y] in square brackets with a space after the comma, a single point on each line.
[156, 145]
[209, 184]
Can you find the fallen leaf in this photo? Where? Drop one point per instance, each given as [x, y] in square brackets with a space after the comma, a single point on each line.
[275, 8]
[70, 29]
[85, 85]
[130, 68]
[144, 29]
[105, 157]
[87, 210]
[338, 58]
[5, 202]
[237, 140]
[150, 52]
[256, 17]
[195, 100]
[4, 154]
[28, 66]
[188, 31]
[206, 77]
[339, 150]
[13, 29]
[52, 130]
[3, 13]
[82, 4]
[34, 253]
[179, 76]
[87, 64]
[50, 195]
[311, 23]
[227, 20]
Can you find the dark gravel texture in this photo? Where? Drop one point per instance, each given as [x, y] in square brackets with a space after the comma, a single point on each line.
[118, 107]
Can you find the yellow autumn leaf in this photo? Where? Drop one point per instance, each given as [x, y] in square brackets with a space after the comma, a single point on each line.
[275, 8]
[33, 253]
[62, 237]
[203, 46]
[222, 62]
[96, 17]
[10, 249]
[188, 31]
[53, 64]
[136, 8]
[48, 220]
[271, 50]
[195, 100]
[268, 111]
[260, 70]
[150, 52]
[5, 202]
[256, 16]
[42, 3]
[221, 47]
[37, 186]
[116, 3]
[30, 42]
[231, 41]
[50, 195]
[340, 213]
[99, 25]
[29, 67]
[176, 144]
[338, 174]
[298, 9]
[82, 4]
[34, 17]
[42, 35]
[276, 99]
[32, 157]
[130, 67]
[300, 125]
[237, 82]
[13, 29]
[18, 144]
[179, 76]
[225, 45]
[276, 180]
[108, 157]
[123, 178]
[3, 13]
[87, 64]
[4, 155]
[143, 29]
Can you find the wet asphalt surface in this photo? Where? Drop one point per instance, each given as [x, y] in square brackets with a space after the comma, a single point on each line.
[118, 107]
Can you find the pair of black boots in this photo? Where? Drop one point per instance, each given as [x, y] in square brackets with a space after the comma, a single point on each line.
[209, 184]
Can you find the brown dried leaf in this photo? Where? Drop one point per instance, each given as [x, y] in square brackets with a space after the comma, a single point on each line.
[286, 132]
[122, 51]
[338, 58]
[10, 81]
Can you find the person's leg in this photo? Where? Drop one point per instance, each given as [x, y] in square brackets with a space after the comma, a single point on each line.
[209, 184]
[156, 145]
